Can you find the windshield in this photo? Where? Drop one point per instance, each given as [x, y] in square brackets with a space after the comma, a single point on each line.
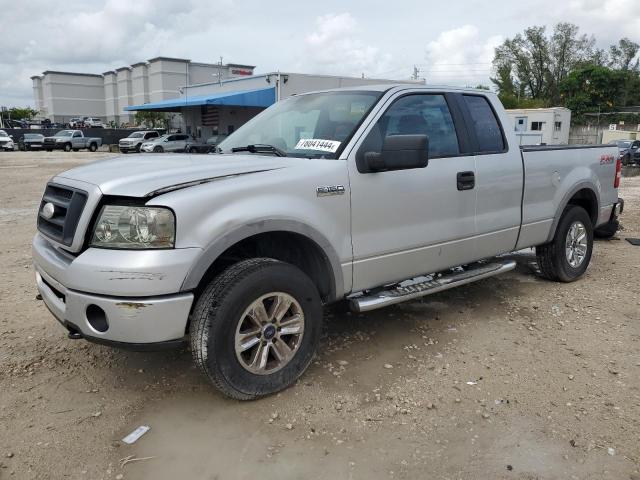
[64, 133]
[32, 136]
[623, 144]
[136, 135]
[309, 126]
[3, 133]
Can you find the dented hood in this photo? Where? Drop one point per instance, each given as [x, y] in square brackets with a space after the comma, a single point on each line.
[147, 174]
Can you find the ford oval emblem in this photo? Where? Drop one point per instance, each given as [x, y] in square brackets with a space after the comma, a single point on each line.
[48, 210]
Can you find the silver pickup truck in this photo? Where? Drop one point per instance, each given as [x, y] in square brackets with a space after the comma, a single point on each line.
[369, 195]
[68, 140]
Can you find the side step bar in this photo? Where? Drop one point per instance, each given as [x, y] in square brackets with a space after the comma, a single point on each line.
[427, 285]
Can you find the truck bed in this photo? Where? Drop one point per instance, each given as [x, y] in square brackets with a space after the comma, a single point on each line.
[553, 174]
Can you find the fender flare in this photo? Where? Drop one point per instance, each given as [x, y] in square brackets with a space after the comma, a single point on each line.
[565, 201]
[211, 252]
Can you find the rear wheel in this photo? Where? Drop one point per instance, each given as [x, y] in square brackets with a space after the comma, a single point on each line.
[608, 230]
[93, 147]
[567, 256]
[255, 328]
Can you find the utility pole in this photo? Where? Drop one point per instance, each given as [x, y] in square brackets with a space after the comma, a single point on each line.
[416, 72]
[220, 72]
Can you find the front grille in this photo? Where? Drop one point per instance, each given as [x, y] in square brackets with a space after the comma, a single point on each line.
[68, 205]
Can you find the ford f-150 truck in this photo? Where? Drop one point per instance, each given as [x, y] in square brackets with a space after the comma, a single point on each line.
[68, 140]
[371, 195]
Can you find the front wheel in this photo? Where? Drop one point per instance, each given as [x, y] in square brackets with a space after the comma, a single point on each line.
[567, 256]
[193, 150]
[158, 149]
[256, 327]
[67, 147]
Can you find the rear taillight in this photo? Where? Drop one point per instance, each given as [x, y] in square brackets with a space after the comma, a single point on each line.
[616, 182]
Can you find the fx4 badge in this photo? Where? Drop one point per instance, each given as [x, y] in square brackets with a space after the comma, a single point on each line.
[330, 190]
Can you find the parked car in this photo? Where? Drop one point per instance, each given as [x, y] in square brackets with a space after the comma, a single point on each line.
[68, 140]
[92, 122]
[628, 151]
[174, 142]
[195, 146]
[405, 191]
[134, 141]
[6, 141]
[31, 141]
[76, 122]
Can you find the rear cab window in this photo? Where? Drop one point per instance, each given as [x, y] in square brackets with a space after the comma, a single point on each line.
[485, 125]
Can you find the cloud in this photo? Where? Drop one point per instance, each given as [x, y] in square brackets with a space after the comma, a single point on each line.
[607, 19]
[334, 47]
[460, 56]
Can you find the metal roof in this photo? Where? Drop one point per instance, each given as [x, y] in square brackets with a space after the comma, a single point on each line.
[262, 97]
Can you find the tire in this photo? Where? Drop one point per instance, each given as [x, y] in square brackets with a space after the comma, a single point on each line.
[626, 160]
[608, 230]
[193, 150]
[49, 150]
[158, 149]
[552, 257]
[67, 147]
[93, 147]
[221, 311]
[138, 148]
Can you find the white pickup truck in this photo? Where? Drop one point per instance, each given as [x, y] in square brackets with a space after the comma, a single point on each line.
[372, 195]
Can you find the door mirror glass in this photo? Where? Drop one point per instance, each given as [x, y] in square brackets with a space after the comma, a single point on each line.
[399, 152]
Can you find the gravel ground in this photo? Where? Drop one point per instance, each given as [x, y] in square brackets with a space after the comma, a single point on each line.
[512, 377]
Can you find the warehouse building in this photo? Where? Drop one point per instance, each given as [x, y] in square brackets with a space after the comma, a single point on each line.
[220, 107]
[60, 96]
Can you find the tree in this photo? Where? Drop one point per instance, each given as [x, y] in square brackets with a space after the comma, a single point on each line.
[532, 64]
[151, 119]
[622, 56]
[593, 88]
[18, 113]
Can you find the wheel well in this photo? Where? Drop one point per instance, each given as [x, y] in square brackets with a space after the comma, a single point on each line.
[586, 199]
[284, 246]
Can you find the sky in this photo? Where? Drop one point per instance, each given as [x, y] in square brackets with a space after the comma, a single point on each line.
[450, 42]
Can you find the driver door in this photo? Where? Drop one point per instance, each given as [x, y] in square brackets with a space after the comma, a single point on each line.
[416, 221]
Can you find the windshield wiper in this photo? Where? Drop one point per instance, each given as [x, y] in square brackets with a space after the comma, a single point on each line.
[260, 148]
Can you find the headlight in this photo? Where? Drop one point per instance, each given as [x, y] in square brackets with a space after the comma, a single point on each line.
[129, 227]
[60, 139]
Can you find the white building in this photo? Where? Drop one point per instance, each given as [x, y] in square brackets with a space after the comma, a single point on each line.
[211, 108]
[547, 126]
[60, 96]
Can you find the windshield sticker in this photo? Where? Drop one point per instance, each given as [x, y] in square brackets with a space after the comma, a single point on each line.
[318, 144]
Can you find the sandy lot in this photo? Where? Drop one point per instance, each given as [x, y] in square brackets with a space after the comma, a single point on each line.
[513, 377]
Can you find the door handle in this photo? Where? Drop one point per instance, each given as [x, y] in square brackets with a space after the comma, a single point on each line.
[466, 180]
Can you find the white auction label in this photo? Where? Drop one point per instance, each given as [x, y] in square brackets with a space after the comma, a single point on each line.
[317, 144]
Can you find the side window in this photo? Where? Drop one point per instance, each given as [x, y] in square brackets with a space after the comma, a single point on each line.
[417, 114]
[171, 138]
[485, 124]
[76, 134]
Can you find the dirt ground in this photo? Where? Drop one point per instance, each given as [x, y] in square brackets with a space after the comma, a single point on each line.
[513, 377]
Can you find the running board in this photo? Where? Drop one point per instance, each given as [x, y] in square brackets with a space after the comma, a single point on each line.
[422, 286]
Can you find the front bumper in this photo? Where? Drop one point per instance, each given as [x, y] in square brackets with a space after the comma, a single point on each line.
[127, 148]
[54, 146]
[134, 305]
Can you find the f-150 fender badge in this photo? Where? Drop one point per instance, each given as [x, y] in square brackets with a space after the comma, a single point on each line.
[330, 190]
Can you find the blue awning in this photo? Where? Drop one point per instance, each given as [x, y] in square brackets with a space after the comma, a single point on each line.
[263, 97]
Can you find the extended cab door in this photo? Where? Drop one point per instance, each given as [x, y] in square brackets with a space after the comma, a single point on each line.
[498, 177]
[409, 222]
[77, 141]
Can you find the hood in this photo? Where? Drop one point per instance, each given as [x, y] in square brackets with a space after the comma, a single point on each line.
[149, 174]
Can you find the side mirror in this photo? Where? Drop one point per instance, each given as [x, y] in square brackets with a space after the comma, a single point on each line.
[399, 152]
